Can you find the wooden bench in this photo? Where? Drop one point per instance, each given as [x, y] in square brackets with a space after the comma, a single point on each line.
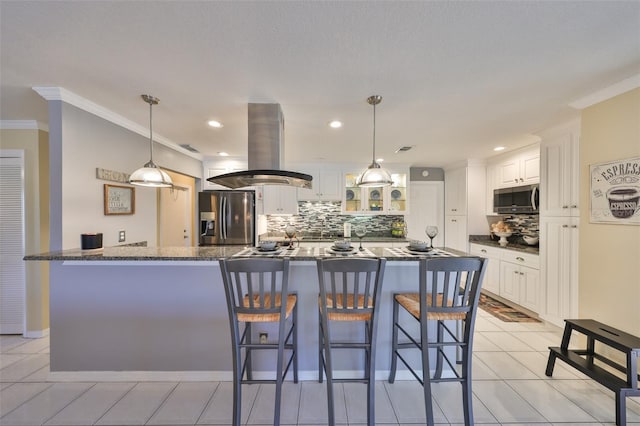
[583, 359]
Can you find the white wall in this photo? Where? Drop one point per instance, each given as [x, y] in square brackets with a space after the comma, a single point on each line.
[89, 142]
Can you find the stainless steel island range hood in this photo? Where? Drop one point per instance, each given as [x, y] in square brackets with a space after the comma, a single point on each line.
[266, 150]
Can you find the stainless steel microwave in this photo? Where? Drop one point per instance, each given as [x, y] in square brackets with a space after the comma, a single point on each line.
[517, 199]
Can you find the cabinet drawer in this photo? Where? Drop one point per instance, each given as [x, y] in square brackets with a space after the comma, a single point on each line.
[519, 258]
[484, 251]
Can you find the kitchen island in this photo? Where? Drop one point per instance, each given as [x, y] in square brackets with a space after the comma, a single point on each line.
[160, 312]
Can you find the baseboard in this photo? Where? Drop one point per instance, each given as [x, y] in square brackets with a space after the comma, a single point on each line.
[203, 376]
[36, 334]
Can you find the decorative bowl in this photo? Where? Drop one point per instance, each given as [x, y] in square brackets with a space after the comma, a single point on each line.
[530, 239]
[342, 244]
[418, 245]
[267, 245]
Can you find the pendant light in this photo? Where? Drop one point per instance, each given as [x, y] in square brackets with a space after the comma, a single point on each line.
[375, 175]
[150, 175]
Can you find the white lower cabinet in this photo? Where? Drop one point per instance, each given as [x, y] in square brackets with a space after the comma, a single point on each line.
[492, 275]
[559, 257]
[512, 275]
[520, 279]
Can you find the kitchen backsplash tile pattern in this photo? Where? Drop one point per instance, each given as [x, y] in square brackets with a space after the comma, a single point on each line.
[325, 216]
[522, 224]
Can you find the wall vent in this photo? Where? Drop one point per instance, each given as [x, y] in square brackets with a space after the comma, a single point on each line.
[189, 147]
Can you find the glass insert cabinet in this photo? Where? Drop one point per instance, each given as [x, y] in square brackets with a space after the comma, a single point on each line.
[384, 200]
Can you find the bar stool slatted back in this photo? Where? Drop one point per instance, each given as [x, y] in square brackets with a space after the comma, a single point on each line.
[349, 290]
[257, 291]
[449, 292]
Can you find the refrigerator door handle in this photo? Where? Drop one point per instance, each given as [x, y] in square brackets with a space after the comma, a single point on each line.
[223, 216]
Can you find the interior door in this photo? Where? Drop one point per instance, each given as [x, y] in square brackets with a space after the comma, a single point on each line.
[12, 246]
[175, 217]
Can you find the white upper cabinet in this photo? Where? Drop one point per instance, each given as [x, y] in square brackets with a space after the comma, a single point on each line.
[455, 192]
[522, 168]
[559, 187]
[327, 185]
[392, 199]
[279, 199]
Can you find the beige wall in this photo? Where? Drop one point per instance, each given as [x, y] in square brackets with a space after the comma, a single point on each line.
[609, 253]
[35, 144]
[190, 182]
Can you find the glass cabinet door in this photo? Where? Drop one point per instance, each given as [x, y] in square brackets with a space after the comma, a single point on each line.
[375, 199]
[398, 193]
[352, 194]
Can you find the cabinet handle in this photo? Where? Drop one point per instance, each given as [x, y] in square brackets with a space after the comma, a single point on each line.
[520, 259]
[453, 220]
[574, 226]
[483, 251]
[521, 273]
[565, 226]
[565, 207]
[574, 206]
[515, 272]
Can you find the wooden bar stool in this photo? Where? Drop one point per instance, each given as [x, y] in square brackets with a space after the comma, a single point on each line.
[257, 291]
[449, 291]
[349, 289]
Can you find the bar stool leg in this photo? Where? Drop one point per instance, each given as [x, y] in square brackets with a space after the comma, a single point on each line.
[295, 343]
[439, 356]
[371, 376]
[248, 363]
[320, 348]
[394, 342]
[328, 369]
[426, 374]
[237, 371]
[467, 393]
[280, 359]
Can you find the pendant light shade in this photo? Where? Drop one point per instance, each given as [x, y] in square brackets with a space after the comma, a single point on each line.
[150, 175]
[375, 175]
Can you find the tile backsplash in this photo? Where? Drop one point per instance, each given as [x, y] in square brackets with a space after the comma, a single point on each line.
[317, 216]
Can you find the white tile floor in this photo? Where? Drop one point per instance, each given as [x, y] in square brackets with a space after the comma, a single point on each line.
[509, 388]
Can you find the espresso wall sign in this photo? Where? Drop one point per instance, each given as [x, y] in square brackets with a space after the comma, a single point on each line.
[119, 199]
[615, 192]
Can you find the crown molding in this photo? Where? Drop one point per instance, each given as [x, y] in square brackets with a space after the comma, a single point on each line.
[607, 93]
[66, 96]
[23, 125]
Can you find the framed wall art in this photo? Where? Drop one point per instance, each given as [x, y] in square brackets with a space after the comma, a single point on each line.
[119, 199]
[615, 192]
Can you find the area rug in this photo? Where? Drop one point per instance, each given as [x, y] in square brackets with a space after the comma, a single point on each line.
[503, 312]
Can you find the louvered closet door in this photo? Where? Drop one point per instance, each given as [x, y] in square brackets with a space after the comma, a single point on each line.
[12, 267]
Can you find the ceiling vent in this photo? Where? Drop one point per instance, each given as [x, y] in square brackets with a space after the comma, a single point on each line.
[403, 149]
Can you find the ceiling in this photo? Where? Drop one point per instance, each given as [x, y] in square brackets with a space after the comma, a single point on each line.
[457, 78]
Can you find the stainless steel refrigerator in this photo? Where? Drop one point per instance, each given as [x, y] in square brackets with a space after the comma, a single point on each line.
[227, 217]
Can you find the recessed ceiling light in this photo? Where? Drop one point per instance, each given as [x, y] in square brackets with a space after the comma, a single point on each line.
[335, 124]
[214, 123]
[223, 154]
[498, 148]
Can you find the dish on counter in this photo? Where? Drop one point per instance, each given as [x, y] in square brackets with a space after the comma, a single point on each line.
[419, 250]
[395, 194]
[350, 194]
[267, 250]
[342, 250]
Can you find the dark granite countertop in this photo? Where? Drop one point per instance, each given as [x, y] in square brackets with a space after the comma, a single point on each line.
[213, 253]
[486, 240]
